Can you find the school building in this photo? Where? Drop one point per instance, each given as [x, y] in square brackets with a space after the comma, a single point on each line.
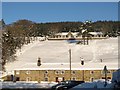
[55, 72]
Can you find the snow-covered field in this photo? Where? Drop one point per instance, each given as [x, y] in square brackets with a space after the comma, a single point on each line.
[58, 52]
[26, 85]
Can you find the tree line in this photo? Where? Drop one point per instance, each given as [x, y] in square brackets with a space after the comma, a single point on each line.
[18, 33]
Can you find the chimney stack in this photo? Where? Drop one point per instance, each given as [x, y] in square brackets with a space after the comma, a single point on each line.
[82, 61]
[39, 61]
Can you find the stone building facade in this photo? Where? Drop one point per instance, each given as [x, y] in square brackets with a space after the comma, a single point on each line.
[52, 74]
[60, 75]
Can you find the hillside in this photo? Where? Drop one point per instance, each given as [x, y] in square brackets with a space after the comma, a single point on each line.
[57, 52]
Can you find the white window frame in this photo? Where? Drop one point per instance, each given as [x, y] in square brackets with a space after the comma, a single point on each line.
[17, 72]
[109, 72]
[57, 71]
[27, 72]
[28, 78]
[91, 72]
[47, 79]
[46, 72]
[91, 79]
[62, 71]
[74, 72]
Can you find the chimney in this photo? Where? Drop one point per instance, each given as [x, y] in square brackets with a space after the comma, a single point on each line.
[82, 61]
[39, 61]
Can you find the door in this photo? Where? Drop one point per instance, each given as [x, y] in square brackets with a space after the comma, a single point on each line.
[56, 79]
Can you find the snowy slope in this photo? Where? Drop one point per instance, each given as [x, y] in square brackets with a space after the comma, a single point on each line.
[57, 52]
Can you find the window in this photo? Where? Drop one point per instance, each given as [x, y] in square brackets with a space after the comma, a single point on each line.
[27, 72]
[28, 79]
[102, 72]
[73, 72]
[63, 78]
[17, 72]
[92, 79]
[73, 78]
[103, 77]
[57, 72]
[107, 77]
[46, 78]
[91, 72]
[62, 72]
[108, 72]
[46, 72]
[56, 79]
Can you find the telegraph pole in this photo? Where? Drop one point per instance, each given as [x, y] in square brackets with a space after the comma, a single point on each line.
[105, 71]
[70, 61]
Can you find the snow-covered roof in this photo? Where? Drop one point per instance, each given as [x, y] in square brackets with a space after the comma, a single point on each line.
[84, 30]
[66, 33]
[75, 33]
[96, 33]
[66, 66]
[63, 33]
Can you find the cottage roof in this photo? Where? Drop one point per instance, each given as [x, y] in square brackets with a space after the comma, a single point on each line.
[75, 33]
[66, 66]
[96, 33]
[63, 33]
[66, 33]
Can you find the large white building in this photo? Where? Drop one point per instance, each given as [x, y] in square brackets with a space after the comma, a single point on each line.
[65, 35]
[96, 34]
[76, 35]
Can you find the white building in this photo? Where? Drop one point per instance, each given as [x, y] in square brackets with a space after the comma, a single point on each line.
[65, 35]
[76, 35]
[96, 34]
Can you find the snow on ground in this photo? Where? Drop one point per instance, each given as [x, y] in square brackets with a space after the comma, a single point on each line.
[96, 85]
[57, 52]
[30, 85]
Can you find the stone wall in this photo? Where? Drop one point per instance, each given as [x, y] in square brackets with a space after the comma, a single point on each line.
[52, 75]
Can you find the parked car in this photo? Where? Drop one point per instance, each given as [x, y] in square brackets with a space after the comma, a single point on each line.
[60, 83]
[66, 85]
